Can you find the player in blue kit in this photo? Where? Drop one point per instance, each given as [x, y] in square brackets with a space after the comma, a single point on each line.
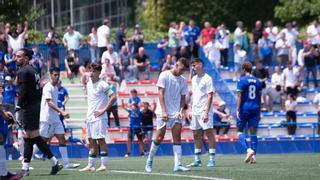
[248, 110]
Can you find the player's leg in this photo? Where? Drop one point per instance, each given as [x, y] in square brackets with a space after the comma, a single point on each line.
[197, 136]
[253, 143]
[103, 154]
[212, 146]
[177, 150]
[129, 142]
[93, 151]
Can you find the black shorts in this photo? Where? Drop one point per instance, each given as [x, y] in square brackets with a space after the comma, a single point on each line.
[30, 117]
[136, 132]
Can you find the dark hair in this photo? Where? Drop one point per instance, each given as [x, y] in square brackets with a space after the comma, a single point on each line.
[86, 62]
[183, 61]
[196, 60]
[55, 69]
[27, 53]
[96, 66]
[247, 66]
[134, 91]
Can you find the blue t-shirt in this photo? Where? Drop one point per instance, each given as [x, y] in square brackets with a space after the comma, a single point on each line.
[136, 99]
[160, 51]
[37, 64]
[61, 96]
[250, 87]
[216, 116]
[265, 49]
[12, 64]
[193, 33]
[135, 117]
[8, 93]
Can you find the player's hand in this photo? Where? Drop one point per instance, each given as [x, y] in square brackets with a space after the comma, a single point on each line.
[205, 117]
[164, 116]
[98, 112]
[65, 114]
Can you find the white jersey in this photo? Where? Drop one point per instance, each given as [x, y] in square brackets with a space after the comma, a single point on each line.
[201, 87]
[47, 114]
[98, 98]
[103, 33]
[174, 87]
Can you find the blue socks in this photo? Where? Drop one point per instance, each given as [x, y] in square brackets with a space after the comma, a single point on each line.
[242, 139]
[254, 143]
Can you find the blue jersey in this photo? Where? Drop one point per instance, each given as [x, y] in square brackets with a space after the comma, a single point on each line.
[61, 96]
[9, 93]
[3, 126]
[135, 117]
[12, 64]
[135, 99]
[250, 88]
[193, 33]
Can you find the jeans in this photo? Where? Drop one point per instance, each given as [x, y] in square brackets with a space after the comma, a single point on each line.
[94, 54]
[313, 71]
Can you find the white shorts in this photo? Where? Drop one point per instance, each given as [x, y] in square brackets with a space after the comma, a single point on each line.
[97, 129]
[169, 124]
[197, 123]
[49, 129]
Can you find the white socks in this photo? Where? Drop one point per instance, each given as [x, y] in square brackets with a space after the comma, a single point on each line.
[54, 161]
[153, 151]
[92, 160]
[3, 162]
[197, 153]
[20, 142]
[104, 158]
[64, 154]
[212, 154]
[177, 151]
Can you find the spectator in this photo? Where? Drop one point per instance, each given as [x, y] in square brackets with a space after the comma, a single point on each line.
[282, 46]
[191, 35]
[272, 31]
[221, 119]
[222, 36]
[168, 63]
[262, 74]
[181, 35]
[291, 79]
[124, 57]
[63, 98]
[9, 94]
[114, 107]
[291, 35]
[15, 40]
[114, 60]
[132, 72]
[2, 73]
[3, 44]
[257, 34]
[108, 70]
[239, 57]
[135, 129]
[313, 32]
[183, 53]
[141, 60]
[37, 60]
[276, 89]
[291, 107]
[239, 35]
[103, 33]
[52, 41]
[10, 61]
[161, 50]
[316, 102]
[93, 45]
[173, 38]
[120, 37]
[147, 116]
[134, 97]
[72, 65]
[207, 33]
[310, 56]
[265, 49]
[212, 52]
[85, 73]
[72, 40]
[137, 39]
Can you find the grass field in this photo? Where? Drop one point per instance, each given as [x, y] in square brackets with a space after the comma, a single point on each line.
[272, 167]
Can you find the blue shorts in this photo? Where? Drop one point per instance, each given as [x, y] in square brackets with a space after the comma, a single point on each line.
[248, 118]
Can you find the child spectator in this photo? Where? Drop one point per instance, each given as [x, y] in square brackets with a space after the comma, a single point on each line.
[114, 107]
[63, 98]
[10, 61]
[291, 107]
[221, 119]
[85, 73]
[212, 51]
[276, 89]
[161, 50]
[72, 65]
[134, 97]
[108, 70]
[168, 64]
[135, 129]
[9, 94]
[239, 57]
[147, 116]
[132, 72]
[37, 60]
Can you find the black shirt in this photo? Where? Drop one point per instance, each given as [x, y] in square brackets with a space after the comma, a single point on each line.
[119, 39]
[257, 34]
[310, 60]
[261, 74]
[147, 119]
[29, 86]
[141, 59]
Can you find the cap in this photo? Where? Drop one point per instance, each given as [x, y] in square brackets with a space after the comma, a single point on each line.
[264, 33]
[8, 78]
[222, 103]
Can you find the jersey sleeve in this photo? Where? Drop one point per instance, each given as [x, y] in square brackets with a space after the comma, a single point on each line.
[46, 92]
[106, 89]
[210, 87]
[161, 80]
[184, 89]
[240, 86]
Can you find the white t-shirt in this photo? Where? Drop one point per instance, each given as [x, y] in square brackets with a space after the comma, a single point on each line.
[16, 44]
[239, 55]
[291, 76]
[291, 106]
[224, 39]
[238, 37]
[47, 114]
[213, 50]
[174, 87]
[313, 31]
[300, 57]
[98, 98]
[276, 79]
[103, 33]
[73, 40]
[272, 33]
[201, 87]
[291, 36]
[112, 57]
[94, 39]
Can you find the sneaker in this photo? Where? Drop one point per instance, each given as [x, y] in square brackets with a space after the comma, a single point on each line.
[195, 164]
[101, 168]
[55, 169]
[250, 153]
[20, 158]
[88, 169]
[127, 155]
[148, 167]
[10, 157]
[211, 163]
[40, 157]
[71, 165]
[180, 168]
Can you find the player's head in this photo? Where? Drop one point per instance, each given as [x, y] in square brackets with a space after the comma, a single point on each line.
[222, 105]
[246, 67]
[197, 65]
[23, 56]
[95, 70]
[134, 92]
[134, 106]
[55, 75]
[180, 66]
[145, 105]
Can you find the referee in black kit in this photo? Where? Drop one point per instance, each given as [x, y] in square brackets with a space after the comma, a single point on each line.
[28, 108]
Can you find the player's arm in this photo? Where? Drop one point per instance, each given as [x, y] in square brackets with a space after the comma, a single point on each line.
[112, 99]
[162, 104]
[208, 107]
[22, 81]
[123, 105]
[66, 99]
[239, 96]
[56, 108]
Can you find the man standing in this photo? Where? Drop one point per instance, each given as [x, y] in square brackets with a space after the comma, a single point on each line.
[103, 33]
[191, 35]
[73, 40]
[248, 110]
[172, 98]
[50, 123]
[202, 93]
[28, 83]
[100, 100]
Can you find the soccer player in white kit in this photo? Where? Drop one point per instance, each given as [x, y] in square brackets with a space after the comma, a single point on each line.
[172, 98]
[50, 123]
[100, 100]
[202, 113]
